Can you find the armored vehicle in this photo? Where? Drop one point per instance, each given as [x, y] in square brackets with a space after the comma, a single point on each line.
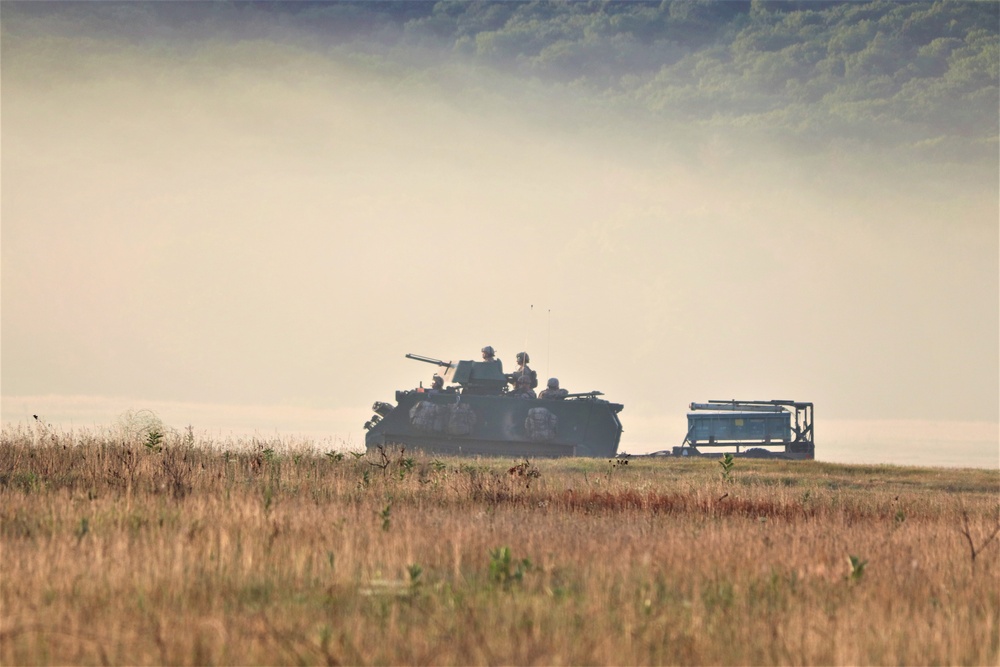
[476, 415]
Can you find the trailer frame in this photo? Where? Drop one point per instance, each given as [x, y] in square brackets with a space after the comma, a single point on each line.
[798, 443]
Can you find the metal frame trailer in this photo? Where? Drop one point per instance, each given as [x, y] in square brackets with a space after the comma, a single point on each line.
[754, 428]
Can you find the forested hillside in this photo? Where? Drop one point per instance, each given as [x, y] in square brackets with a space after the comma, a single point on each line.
[923, 74]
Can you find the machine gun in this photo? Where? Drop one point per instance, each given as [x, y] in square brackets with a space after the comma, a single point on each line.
[585, 394]
[429, 360]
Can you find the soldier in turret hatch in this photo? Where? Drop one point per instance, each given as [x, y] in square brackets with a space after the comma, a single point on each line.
[437, 385]
[489, 356]
[553, 391]
[523, 389]
[523, 370]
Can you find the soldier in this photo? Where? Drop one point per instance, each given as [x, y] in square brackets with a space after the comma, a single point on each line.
[523, 389]
[437, 385]
[553, 391]
[523, 370]
[489, 356]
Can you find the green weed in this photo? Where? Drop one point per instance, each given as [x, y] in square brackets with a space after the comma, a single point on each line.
[153, 440]
[857, 568]
[414, 571]
[727, 464]
[503, 570]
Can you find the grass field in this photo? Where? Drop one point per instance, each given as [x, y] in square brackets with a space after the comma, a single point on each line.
[166, 550]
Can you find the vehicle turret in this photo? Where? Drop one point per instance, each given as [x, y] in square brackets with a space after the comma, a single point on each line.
[475, 377]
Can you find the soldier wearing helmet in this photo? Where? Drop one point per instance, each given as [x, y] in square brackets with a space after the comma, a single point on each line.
[523, 389]
[437, 385]
[489, 357]
[553, 391]
[523, 370]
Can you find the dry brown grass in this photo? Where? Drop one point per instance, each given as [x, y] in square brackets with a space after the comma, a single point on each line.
[116, 553]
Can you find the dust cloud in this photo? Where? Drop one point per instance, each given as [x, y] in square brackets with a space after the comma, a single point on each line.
[262, 223]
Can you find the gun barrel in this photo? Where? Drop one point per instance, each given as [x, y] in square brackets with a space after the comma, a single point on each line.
[429, 360]
[585, 394]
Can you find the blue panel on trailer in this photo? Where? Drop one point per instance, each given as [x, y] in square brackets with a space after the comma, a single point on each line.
[739, 427]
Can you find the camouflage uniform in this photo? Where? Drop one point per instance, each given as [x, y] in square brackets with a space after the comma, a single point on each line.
[523, 370]
[553, 391]
[523, 389]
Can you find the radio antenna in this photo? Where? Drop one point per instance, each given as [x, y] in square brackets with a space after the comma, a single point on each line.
[531, 311]
[548, 345]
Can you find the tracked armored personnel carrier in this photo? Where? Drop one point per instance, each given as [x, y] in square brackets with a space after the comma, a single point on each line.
[476, 415]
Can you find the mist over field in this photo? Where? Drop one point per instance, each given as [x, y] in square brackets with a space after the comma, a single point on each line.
[238, 210]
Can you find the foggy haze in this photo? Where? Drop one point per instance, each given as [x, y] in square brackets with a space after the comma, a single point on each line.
[260, 224]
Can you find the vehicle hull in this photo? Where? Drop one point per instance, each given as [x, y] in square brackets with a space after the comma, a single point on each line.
[499, 426]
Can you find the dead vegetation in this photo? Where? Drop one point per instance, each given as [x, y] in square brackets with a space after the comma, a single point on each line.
[117, 550]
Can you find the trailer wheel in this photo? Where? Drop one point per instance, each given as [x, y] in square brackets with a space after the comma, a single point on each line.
[758, 452]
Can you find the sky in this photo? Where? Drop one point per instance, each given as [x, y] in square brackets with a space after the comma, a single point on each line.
[251, 234]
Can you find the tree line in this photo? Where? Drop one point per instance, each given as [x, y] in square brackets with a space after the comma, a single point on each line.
[912, 73]
[919, 73]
